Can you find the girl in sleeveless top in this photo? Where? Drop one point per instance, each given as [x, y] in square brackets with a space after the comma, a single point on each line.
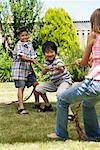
[87, 91]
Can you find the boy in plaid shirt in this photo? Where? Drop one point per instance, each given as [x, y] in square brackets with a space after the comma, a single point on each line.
[22, 71]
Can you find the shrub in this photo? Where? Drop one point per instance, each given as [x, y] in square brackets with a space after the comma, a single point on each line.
[5, 66]
[77, 72]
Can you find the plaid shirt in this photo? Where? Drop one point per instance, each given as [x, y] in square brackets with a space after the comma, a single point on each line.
[21, 69]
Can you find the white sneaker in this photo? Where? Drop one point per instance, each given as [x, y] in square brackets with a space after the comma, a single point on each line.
[54, 136]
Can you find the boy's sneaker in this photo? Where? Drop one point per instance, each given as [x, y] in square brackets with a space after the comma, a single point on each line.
[54, 136]
[48, 108]
[37, 107]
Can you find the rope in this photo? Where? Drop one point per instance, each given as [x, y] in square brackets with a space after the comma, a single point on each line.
[71, 64]
[25, 99]
[81, 134]
[40, 65]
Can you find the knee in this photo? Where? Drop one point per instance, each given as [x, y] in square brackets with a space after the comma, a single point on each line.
[37, 88]
[60, 94]
[62, 102]
[61, 98]
[36, 84]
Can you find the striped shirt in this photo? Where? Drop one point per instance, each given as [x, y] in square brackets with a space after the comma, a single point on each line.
[21, 69]
[95, 69]
[54, 73]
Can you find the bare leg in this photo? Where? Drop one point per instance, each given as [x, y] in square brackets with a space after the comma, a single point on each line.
[70, 111]
[44, 96]
[20, 97]
[71, 115]
[36, 94]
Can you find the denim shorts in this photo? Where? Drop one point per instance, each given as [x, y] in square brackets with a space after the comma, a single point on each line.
[31, 79]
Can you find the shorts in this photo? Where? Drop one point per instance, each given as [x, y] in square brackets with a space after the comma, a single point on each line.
[31, 79]
[51, 86]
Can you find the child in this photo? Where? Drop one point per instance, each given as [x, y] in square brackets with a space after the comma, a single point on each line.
[60, 78]
[22, 71]
[88, 90]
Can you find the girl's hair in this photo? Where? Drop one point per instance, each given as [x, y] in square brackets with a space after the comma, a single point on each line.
[22, 29]
[95, 21]
[49, 45]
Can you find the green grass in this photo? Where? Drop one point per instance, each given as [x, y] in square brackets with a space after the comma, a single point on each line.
[24, 128]
[27, 128]
[32, 129]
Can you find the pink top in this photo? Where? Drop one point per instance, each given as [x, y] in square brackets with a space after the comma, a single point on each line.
[95, 69]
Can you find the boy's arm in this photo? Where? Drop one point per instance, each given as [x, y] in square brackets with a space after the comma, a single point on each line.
[46, 69]
[27, 58]
[23, 56]
[60, 68]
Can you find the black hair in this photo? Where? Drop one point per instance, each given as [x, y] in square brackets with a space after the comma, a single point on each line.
[49, 45]
[22, 29]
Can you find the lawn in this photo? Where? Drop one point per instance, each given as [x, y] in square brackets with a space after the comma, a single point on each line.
[28, 132]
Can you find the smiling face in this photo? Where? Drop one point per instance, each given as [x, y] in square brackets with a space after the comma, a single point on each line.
[50, 54]
[24, 36]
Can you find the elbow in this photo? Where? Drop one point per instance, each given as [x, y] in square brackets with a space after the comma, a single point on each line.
[82, 64]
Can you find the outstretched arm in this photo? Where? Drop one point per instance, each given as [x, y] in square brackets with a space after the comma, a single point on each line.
[27, 58]
[46, 69]
[87, 51]
[59, 68]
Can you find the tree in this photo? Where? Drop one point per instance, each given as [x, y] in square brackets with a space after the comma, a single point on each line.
[59, 27]
[14, 14]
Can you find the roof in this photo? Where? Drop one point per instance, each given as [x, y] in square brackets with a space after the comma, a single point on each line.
[82, 25]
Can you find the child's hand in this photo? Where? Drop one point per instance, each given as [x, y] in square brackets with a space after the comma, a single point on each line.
[90, 60]
[49, 67]
[46, 69]
[21, 54]
[34, 61]
[78, 61]
[60, 68]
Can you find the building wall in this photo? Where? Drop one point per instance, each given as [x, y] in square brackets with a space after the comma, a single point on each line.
[83, 29]
[82, 36]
